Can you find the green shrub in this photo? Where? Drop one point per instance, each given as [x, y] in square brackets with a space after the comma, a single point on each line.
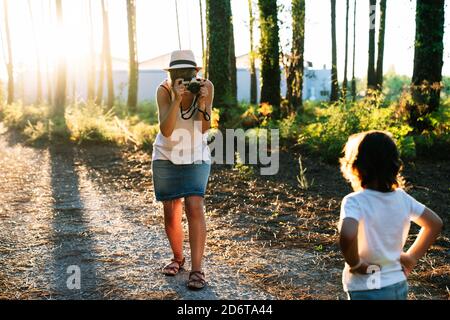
[333, 125]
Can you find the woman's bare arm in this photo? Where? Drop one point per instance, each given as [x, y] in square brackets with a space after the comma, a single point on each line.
[167, 108]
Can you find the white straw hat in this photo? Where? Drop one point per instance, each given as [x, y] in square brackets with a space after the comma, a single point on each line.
[182, 59]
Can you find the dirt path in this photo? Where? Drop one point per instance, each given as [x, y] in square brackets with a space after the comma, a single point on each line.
[93, 208]
[57, 211]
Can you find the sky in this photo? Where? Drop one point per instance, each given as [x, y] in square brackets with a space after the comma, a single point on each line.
[157, 31]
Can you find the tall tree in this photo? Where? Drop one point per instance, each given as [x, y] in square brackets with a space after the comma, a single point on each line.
[205, 71]
[334, 96]
[371, 75]
[381, 33]
[91, 72]
[48, 19]
[233, 69]
[296, 63]
[219, 33]
[354, 54]
[345, 82]
[428, 61]
[59, 101]
[38, 56]
[9, 63]
[134, 67]
[107, 56]
[269, 53]
[252, 55]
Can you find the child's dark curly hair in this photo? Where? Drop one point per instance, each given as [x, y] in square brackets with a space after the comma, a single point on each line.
[371, 160]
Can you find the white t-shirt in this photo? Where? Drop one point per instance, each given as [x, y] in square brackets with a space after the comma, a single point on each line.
[384, 221]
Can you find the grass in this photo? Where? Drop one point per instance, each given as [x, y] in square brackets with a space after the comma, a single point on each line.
[84, 123]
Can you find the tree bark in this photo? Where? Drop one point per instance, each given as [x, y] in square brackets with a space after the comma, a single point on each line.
[345, 82]
[334, 96]
[354, 54]
[107, 56]
[296, 63]
[91, 73]
[59, 102]
[219, 29]
[371, 75]
[270, 55]
[381, 34]
[428, 61]
[252, 54]
[9, 63]
[134, 67]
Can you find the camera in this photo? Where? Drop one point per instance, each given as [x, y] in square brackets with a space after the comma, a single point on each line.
[193, 85]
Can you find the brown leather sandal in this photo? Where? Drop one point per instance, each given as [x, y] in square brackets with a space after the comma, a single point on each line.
[196, 280]
[173, 267]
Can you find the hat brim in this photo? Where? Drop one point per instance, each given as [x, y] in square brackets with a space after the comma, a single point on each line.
[183, 66]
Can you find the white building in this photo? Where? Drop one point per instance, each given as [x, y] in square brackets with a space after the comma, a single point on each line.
[316, 81]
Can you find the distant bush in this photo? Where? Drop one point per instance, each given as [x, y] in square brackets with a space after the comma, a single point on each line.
[83, 123]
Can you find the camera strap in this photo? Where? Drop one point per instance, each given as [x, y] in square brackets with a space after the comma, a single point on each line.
[189, 113]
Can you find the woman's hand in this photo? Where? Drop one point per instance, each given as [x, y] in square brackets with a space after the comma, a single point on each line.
[178, 89]
[203, 94]
[408, 262]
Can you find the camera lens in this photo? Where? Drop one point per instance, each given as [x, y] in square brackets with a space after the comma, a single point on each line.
[194, 87]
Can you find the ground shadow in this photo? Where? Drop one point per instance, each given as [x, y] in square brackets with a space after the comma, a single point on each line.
[73, 245]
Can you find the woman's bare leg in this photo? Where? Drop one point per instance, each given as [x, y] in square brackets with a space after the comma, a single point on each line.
[197, 229]
[173, 211]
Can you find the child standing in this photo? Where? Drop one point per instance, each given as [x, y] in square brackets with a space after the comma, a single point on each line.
[375, 221]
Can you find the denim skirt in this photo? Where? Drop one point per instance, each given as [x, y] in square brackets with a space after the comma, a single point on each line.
[174, 181]
[397, 291]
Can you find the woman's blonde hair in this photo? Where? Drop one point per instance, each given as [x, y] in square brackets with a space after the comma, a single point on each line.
[372, 159]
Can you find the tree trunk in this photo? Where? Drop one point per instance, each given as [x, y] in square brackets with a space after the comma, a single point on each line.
[92, 74]
[252, 54]
[371, 75]
[381, 34]
[270, 55]
[59, 101]
[134, 67]
[219, 29]
[233, 69]
[334, 96]
[205, 75]
[9, 64]
[345, 82]
[296, 64]
[107, 56]
[428, 61]
[354, 54]
[38, 58]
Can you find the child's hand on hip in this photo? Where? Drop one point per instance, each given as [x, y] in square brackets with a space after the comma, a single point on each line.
[408, 262]
[362, 268]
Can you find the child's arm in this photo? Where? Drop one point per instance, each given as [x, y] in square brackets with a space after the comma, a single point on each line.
[348, 242]
[431, 227]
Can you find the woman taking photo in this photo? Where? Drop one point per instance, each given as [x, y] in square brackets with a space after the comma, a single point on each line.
[181, 160]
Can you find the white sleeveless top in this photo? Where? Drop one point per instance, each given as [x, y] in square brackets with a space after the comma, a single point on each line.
[186, 145]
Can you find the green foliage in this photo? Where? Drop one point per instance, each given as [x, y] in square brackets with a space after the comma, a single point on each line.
[333, 125]
[394, 85]
[84, 123]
